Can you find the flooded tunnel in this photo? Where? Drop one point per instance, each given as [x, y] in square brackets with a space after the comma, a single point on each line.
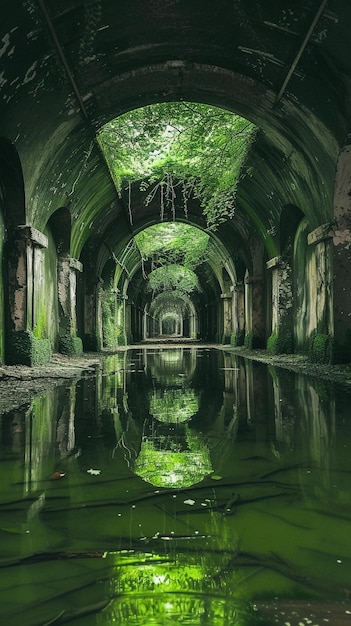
[175, 173]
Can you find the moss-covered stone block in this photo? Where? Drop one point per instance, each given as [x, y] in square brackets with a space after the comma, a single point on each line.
[321, 349]
[91, 343]
[248, 340]
[70, 345]
[280, 343]
[237, 339]
[23, 348]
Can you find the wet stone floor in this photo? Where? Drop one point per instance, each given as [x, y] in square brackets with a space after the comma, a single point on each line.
[177, 486]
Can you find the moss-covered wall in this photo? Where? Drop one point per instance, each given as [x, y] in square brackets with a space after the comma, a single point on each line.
[304, 289]
[313, 301]
[2, 308]
[45, 306]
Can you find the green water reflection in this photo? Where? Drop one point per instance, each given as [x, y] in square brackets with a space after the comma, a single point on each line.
[174, 486]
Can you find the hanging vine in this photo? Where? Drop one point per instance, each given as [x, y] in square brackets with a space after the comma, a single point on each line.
[179, 146]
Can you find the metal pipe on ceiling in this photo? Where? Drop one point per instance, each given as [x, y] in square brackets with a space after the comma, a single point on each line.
[63, 58]
[301, 50]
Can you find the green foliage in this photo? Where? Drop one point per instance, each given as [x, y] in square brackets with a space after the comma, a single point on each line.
[173, 251]
[248, 340]
[26, 349]
[173, 466]
[321, 348]
[173, 278]
[121, 336]
[180, 149]
[280, 343]
[109, 335]
[70, 345]
[173, 243]
[173, 405]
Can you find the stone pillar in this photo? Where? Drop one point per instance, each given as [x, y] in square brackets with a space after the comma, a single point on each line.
[254, 311]
[227, 317]
[321, 349]
[281, 339]
[342, 256]
[67, 270]
[92, 316]
[21, 345]
[238, 314]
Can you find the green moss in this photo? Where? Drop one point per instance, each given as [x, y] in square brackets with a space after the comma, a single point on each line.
[237, 339]
[39, 331]
[23, 348]
[70, 345]
[108, 320]
[121, 337]
[321, 348]
[226, 339]
[280, 343]
[248, 340]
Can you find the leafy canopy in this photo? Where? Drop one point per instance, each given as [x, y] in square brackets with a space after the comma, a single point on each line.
[173, 278]
[173, 242]
[174, 250]
[180, 150]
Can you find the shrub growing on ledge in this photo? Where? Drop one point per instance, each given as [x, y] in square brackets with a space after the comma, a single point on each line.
[280, 343]
[25, 349]
[71, 346]
[321, 348]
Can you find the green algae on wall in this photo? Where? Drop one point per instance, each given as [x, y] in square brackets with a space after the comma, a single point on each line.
[45, 314]
[26, 349]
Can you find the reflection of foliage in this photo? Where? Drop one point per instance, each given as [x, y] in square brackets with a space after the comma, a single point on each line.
[154, 590]
[173, 405]
[180, 148]
[164, 463]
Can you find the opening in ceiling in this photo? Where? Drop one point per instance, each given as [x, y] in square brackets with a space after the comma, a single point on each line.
[171, 254]
[179, 150]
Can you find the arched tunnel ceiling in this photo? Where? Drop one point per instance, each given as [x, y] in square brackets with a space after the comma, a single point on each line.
[126, 269]
[67, 67]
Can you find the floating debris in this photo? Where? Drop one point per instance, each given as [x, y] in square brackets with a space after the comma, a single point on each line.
[94, 472]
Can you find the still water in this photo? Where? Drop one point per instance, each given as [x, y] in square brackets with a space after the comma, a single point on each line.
[177, 486]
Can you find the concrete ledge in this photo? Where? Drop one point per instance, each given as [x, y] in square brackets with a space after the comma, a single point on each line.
[273, 262]
[32, 234]
[76, 265]
[325, 231]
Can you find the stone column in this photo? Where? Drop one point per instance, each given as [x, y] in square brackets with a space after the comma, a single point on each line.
[254, 311]
[92, 316]
[238, 314]
[321, 306]
[342, 256]
[281, 339]
[67, 270]
[21, 345]
[227, 317]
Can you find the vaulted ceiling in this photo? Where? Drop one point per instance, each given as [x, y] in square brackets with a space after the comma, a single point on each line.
[67, 67]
